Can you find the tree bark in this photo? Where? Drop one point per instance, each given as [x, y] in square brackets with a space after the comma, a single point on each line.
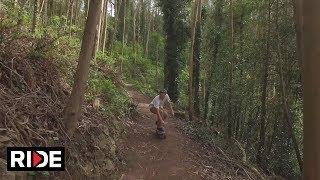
[35, 16]
[68, 5]
[45, 13]
[87, 6]
[135, 12]
[218, 18]
[196, 60]
[41, 6]
[298, 24]
[148, 36]
[287, 116]
[142, 21]
[98, 29]
[197, 5]
[311, 88]
[72, 111]
[173, 46]
[77, 11]
[262, 134]
[134, 37]
[105, 27]
[71, 16]
[121, 21]
[285, 105]
[230, 106]
[50, 10]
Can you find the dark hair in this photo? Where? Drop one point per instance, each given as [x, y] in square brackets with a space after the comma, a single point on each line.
[163, 91]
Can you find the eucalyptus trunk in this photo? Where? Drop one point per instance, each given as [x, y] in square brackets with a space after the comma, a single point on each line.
[262, 133]
[311, 88]
[72, 111]
[35, 16]
[197, 7]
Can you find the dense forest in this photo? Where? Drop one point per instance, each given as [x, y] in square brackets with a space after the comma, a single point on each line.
[232, 68]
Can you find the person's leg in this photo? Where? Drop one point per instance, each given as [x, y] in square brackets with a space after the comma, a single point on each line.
[154, 111]
[164, 116]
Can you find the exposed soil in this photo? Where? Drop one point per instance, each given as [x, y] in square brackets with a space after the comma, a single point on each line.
[33, 94]
[176, 157]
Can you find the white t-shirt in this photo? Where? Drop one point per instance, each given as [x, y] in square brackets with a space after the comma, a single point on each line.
[157, 102]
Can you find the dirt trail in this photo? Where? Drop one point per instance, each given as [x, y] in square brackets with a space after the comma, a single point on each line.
[176, 157]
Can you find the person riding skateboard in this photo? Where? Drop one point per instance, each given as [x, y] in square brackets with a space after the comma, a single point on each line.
[157, 108]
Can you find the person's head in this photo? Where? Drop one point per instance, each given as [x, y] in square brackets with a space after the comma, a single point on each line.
[162, 93]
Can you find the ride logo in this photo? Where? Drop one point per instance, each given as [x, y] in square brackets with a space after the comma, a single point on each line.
[35, 159]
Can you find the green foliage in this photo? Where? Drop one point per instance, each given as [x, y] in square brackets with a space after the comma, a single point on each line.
[183, 86]
[65, 50]
[145, 74]
[175, 27]
[114, 100]
[156, 47]
[244, 58]
[231, 68]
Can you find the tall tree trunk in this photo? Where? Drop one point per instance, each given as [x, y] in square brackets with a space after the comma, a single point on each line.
[262, 134]
[50, 10]
[72, 111]
[88, 6]
[311, 88]
[273, 134]
[113, 33]
[148, 36]
[122, 27]
[71, 16]
[117, 9]
[124, 23]
[171, 63]
[197, 6]
[158, 65]
[121, 21]
[68, 10]
[35, 16]
[289, 122]
[285, 105]
[196, 60]
[218, 18]
[230, 106]
[298, 28]
[136, 9]
[41, 6]
[142, 21]
[45, 13]
[240, 121]
[102, 25]
[135, 12]
[98, 29]
[105, 27]
[77, 12]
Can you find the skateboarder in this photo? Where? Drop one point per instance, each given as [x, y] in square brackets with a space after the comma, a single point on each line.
[157, 107]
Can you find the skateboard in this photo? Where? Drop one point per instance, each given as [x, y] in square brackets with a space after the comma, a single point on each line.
[161, 134]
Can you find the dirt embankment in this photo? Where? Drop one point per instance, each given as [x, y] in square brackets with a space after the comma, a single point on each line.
[32, 97]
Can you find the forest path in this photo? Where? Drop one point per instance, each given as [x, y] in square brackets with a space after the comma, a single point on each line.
[176, 157]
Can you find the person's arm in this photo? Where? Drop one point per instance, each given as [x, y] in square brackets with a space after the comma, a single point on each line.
[159, 115]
